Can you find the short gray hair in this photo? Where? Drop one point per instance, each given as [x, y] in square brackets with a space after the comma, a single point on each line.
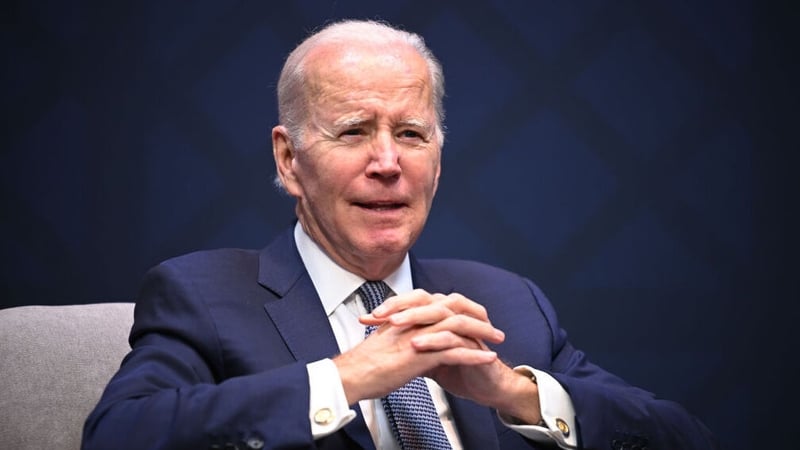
[292, 109]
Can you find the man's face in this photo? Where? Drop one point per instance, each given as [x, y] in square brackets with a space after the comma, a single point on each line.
[368, 165]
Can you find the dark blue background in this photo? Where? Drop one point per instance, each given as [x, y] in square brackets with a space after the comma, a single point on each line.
[636, 159]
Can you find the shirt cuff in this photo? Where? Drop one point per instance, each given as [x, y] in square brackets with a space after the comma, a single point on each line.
[558, 414]
[328, 410]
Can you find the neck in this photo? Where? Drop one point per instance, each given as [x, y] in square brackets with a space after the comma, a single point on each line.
[369, 268]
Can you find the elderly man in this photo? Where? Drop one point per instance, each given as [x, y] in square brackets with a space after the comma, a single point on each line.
[334, 336]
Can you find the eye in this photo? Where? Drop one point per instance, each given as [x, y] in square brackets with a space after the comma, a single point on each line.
[352, 136]
[410, 134]
[353, 132]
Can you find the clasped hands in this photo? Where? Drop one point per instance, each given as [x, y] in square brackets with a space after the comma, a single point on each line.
[442, 337]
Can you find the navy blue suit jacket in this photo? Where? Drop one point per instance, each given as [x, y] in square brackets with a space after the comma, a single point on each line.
[221, 340]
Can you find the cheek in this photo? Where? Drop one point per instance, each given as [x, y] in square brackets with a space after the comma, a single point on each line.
[323, 184]
[310, 173]
[427, 177]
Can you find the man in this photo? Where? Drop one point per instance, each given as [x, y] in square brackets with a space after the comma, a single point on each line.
[291, 347]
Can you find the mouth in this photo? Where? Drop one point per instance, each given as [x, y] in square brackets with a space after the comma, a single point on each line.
[380, 206]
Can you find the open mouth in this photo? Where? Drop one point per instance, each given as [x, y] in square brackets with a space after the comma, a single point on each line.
[380, 206]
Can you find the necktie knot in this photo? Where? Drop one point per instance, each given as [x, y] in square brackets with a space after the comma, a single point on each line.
[372, 294]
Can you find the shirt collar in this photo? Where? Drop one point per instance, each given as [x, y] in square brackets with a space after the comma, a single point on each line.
[333, 283]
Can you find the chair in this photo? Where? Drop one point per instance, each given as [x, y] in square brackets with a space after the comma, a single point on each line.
[54, 363]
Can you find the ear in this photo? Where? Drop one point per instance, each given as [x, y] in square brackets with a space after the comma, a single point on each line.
[284, 153]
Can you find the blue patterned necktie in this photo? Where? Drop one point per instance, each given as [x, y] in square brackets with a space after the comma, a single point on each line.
[410, 409]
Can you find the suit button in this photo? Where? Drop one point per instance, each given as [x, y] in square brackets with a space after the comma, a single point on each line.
[255, 443]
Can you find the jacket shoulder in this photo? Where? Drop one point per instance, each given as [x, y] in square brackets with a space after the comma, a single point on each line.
[208, 265]
[215, 257]
[465, 268]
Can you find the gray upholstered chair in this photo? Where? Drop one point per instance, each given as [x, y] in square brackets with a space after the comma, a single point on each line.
[54, 363]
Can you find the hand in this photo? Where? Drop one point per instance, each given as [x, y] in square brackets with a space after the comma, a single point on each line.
[389, 357]
[493, 384]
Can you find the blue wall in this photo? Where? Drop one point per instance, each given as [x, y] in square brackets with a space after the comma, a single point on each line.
[630, 157]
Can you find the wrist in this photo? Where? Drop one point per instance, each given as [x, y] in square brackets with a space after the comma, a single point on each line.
[352, 374]
[522, 405]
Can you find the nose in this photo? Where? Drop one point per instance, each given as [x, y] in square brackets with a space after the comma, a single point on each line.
[384, 158]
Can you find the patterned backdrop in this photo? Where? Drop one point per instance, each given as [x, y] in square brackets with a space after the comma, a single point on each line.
[622, 154]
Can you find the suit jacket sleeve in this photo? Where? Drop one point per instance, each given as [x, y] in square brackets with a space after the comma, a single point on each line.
[177, 389]
[610, 413]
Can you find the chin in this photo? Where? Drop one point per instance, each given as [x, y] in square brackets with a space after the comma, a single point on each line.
[387, 245]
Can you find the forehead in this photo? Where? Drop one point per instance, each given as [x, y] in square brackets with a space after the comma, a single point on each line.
[393, 73]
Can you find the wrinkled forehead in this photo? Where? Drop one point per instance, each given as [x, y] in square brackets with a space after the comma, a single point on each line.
[364, 64]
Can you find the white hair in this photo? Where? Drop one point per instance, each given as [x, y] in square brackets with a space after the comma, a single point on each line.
[292, 106]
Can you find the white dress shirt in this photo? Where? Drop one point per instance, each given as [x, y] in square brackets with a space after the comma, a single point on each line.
[328, 408]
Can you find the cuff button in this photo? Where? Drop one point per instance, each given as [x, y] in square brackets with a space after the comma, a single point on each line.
[255, 443]
[563, 427]
[323, 416]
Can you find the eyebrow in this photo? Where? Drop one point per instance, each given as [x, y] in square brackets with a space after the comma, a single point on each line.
[414, 122]
[350, 121]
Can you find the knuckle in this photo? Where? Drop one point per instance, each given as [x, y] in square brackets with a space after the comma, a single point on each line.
[458, 322]
[420, 293]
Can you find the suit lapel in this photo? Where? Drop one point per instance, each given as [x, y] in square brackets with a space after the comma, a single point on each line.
[298, 315]
[474, 422]
[296, 309]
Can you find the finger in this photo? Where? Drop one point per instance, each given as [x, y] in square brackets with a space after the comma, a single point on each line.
[401, 302]
[421, 315]
[415, 315]
[443, 340]
[460, 304]
[369, 319]
[461, 356]
[470, 327]
[456, 302]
